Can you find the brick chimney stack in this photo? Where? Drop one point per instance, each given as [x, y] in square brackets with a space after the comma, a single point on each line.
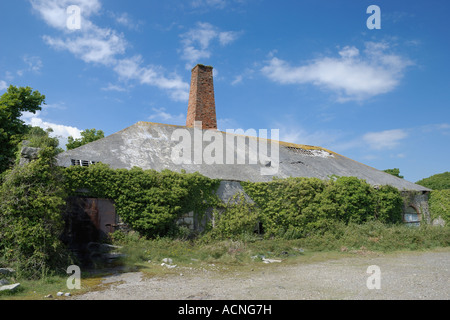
[202, 106]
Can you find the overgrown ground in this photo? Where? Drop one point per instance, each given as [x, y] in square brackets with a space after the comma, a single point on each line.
[244, 253]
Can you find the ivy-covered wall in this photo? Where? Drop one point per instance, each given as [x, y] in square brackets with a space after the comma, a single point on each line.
[148, 201]
[152, 202]
[294, 207]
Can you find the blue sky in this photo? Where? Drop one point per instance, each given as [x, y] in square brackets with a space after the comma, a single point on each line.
[310, 68]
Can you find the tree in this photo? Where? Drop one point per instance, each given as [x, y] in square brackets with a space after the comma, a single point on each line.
[32, 201]
[87, 136]
[394, 172]
[438, 181]
[13, 103]
[40, 138]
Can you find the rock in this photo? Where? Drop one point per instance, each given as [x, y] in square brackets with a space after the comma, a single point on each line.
[7, 271]
[438, 222]
[270, 260]
[49, 296]
[167, 260]
[10, 287]
[30, 153]
[4, 282]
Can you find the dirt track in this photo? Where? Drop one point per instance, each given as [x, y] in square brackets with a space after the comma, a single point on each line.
[419, 275]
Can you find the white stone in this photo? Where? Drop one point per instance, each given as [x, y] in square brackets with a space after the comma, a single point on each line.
[10, 287]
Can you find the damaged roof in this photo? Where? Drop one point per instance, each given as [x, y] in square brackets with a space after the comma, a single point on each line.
[150, 145]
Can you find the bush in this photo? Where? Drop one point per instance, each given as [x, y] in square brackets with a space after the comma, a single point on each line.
[31, 217]
[238, 218]
[439, 203]
[295, 207]
[439, 181]
[147, 200]
[376, 236]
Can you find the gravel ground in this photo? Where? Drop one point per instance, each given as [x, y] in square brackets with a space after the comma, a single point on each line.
[417, 275]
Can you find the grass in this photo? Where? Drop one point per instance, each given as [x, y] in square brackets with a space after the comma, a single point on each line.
[246, 252]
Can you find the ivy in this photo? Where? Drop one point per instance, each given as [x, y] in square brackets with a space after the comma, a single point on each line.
[440, 204]
[147, 200]
[295, 207]
[32, 202]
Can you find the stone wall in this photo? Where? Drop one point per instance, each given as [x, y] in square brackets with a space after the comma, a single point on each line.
[418, 200]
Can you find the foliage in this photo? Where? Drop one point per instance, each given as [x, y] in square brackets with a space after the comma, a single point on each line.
[394, 172]
[376, 236]
[439, 203]
[30, 217]
[238, 217]
[295, 207]
[39, 138]
[13, 103]
[439, 181]
[87, 136]
[147, 200]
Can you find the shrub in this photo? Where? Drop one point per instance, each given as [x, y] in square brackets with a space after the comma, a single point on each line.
[147, 200]
[295, 207]
[439, 203]
[439, 181]
[238, 218]
[31, 217]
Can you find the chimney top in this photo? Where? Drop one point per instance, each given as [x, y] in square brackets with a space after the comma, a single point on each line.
[201, 105]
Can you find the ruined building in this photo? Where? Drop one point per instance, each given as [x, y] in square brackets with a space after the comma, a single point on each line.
[231, 157]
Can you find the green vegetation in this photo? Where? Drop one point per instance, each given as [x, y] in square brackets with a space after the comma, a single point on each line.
[148, 201]
[439, 203]
[246, 250]
[88, 135]
[295, 207]
[439, 181]
[13, 103]
[395, 172]
[296, 215]
[31, 221]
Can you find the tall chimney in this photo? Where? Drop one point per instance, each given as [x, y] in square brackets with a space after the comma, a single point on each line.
[202, 106]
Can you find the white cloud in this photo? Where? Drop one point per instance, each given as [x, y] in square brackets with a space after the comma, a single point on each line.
[161, 115]
[126, 20]
[197, 41]
[217, 4]
[98, 46]
[237, 80]
[387, 139]
[132, 69]
[352, 76]
[296, 133]
[54, 11]
[114, 87]
[34, 63]
[104, 46]
[62, 132]
[3, 85]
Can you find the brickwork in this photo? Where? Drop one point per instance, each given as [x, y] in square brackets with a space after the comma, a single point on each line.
[201, 105]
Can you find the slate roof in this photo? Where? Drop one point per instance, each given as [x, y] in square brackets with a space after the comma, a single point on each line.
[149, 146]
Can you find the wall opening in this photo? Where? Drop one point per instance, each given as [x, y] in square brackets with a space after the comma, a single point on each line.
[412, 216]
